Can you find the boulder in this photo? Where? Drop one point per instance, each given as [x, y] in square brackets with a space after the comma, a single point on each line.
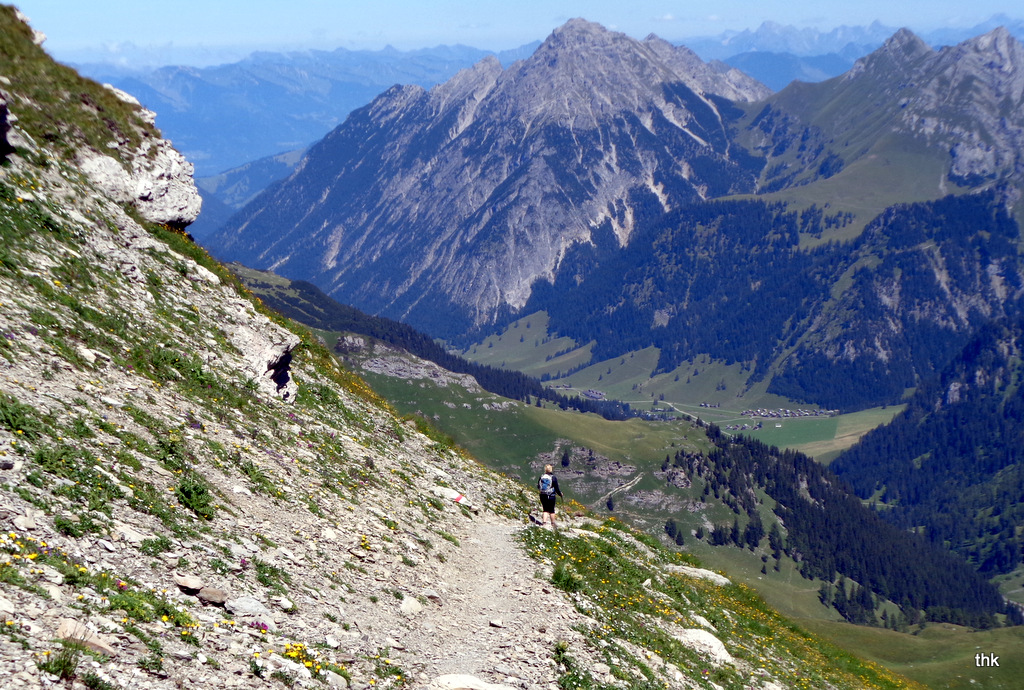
[76, 631]
[700, 574]
[705, 644]
[266, 352]
[212, 595]
[129, 533]
[247, 606]
[410, 606]
[188, 583]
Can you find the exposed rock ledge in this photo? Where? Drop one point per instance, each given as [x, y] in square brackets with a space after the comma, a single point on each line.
[160, 184]
[700, 573]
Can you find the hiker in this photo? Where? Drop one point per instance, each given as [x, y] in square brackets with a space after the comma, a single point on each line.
[548, 485]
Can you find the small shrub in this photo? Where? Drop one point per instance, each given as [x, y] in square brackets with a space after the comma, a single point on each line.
[71, 528]
[565, 580]
[271, 576]
[155, 547]
[63, 664]
[80, 428]
[152, 662]
[449, 537]
[195, 495]
[19, 418]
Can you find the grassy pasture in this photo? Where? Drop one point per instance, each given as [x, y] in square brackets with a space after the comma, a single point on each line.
[940, 656]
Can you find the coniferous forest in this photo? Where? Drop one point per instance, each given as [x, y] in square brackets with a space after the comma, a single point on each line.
[835, 538]
[735, 279]
[950, 465]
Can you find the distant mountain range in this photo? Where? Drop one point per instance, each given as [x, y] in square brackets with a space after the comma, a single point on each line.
[231, 115]
[225, 116]
[580, 182]
[850, 42]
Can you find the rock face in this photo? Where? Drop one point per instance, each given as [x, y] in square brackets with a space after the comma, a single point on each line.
[5, 127]
[448, 208]
[159, 183]
[445, 206]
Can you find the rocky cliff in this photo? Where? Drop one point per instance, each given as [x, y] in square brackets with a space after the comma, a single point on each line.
[463, 196]
[194, 493]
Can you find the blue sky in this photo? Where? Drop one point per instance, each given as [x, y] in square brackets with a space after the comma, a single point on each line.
[180, 27]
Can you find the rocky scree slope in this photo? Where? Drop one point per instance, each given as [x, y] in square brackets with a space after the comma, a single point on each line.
[466, 194]
[194, 494]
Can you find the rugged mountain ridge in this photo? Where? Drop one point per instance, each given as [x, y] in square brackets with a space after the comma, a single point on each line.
[959, 107]
[227, 115]
[195, 493]
[478, 187]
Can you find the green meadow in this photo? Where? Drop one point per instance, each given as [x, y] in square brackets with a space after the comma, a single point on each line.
[940, 656]
[701, 387]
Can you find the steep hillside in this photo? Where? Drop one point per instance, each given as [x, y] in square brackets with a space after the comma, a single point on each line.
[950, 464]
[455, 201]
[731, 280]
[830, 534]
[195, 494]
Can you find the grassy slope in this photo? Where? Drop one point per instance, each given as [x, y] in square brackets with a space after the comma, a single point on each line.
[941, 656]
[527, 346]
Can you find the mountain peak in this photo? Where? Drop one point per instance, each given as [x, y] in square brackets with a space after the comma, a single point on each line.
[580, 35]
[900, 49]
[581, 27]
[1001, 45]
[906, 43]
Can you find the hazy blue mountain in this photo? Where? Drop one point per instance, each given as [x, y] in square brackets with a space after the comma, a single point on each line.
[224, 116]
[777, 70]
[772, 37]
[851, 42]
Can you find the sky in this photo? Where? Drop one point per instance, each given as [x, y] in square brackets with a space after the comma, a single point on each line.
[205, 31]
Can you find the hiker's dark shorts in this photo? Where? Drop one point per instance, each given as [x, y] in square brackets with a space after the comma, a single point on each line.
[547, 503]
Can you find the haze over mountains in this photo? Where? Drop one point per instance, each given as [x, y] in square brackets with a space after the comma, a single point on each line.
[229, 115]
[269, 103]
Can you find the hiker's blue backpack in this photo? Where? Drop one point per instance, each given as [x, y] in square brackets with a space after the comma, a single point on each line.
[547, 484]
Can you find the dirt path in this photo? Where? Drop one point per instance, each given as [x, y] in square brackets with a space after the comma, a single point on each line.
[497, 621]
